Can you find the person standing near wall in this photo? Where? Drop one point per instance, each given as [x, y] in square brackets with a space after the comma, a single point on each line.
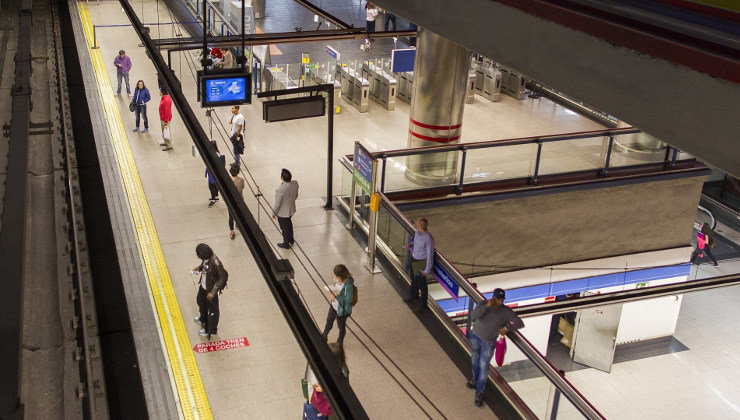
[123, 66]
[490, 319]
[390, 17]
[239, 183]
[422, 261]
[165, 116]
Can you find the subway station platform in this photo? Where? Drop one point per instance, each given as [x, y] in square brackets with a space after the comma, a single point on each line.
[397, 368]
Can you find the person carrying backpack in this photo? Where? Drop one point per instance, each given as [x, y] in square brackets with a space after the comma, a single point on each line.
[213, 278]
[342, 296]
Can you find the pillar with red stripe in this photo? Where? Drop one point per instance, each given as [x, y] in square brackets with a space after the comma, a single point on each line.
[437, 103]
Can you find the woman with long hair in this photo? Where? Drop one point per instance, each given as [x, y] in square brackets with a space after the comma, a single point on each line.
[140, 98]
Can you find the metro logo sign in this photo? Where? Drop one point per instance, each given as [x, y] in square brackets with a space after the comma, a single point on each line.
[233, 343]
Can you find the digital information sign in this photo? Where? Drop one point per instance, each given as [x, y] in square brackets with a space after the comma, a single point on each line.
[229, 88]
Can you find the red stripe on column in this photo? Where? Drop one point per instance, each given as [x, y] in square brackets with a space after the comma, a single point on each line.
[435, 139]
[435, 127]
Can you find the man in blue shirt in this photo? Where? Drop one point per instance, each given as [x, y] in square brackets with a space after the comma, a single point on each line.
[422, 260]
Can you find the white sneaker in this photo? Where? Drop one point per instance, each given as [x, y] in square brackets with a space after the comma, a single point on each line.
[197, 320]
[203, 333]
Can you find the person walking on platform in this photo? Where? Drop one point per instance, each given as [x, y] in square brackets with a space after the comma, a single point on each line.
[704, 237]
[237, 133]
[165, 116]
[422, 261]
[140, 98]
[285, 197]
[123, 66]
[228, 62]
[371, 14]
[213, 278]
[211, 181]
[490, 319]
[342, 294]
[239, 183]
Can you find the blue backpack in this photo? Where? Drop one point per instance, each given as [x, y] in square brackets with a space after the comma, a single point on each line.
[310, 412]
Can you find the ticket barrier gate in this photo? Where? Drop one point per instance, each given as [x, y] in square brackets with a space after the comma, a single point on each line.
[355, 89]
[278, 80]
[488, 81]
[512, 83]
[470, 87]
[383, 86]
[316, 78]
[405, 86]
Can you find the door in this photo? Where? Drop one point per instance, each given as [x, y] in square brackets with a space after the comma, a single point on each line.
[596, 336]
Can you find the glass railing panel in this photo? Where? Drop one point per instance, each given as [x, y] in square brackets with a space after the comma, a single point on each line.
[573, 155]
[393, 234]
[419, 171]
[497, 163]
[537, 391]
[636, 149]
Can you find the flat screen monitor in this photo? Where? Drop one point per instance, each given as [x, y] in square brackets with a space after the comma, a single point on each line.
[230, 88]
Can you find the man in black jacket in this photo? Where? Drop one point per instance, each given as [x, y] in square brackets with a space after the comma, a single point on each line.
[213, 278]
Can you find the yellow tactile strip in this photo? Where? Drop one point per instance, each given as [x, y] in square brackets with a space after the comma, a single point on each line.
[191, 394]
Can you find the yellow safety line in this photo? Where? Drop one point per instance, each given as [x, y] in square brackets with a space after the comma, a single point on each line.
[192, 395]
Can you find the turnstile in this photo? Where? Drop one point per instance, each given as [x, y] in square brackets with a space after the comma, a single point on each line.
[488, 81]
[320, 79]
[470, 87]
[383, 86]
[354, 87]
[512, 83]
[278, 80]
[405, 86]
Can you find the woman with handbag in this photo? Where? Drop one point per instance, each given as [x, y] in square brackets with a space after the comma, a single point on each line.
[341, 302]
[704, 244]
[138, 101]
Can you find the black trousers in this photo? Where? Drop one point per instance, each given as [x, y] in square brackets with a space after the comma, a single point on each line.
[341, 324]
[286, 226]
[209, 312]
[214, 191]
[139, 111]
[418, 281]
[706, 251]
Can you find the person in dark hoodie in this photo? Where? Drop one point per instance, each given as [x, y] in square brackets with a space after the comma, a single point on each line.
[213, 278]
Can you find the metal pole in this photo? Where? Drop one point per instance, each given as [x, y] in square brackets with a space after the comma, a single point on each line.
[373, 228]
[382, 175]
[352, 198]
[330, 155]
[555, 400]
[205, 24]
[608, 156]
[537, 162]
[459, 188]
[95, 37]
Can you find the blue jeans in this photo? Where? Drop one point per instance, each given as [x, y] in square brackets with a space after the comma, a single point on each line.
[125, 77]
[141, 110]
[482, 354]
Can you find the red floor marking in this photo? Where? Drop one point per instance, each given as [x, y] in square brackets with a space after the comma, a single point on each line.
[232, 343]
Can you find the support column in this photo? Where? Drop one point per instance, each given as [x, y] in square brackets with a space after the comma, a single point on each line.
[437, 102]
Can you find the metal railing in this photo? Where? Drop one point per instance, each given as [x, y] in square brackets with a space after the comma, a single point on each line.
[395, 227]
[527, 158]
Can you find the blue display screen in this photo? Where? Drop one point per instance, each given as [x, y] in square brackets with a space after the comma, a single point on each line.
[226, 89]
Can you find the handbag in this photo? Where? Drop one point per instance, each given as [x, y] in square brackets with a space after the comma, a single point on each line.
[500, 351]
[166, 133]
[132, 106]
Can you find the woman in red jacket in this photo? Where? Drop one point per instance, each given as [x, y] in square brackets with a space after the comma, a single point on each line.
[165, 116]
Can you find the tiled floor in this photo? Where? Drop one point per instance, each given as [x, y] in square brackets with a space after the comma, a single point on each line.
[263, 378]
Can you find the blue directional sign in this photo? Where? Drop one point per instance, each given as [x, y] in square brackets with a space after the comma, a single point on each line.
[363, 172]
[403, 60]
[332, 52]
[444, 279]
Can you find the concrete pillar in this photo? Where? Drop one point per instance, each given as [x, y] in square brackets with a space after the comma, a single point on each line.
[437, 102]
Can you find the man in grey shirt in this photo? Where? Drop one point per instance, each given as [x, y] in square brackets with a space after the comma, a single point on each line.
[285, 198]
[490, 320]
[422, 261]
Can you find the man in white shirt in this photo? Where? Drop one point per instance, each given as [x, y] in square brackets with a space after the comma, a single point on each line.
[237, 133]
